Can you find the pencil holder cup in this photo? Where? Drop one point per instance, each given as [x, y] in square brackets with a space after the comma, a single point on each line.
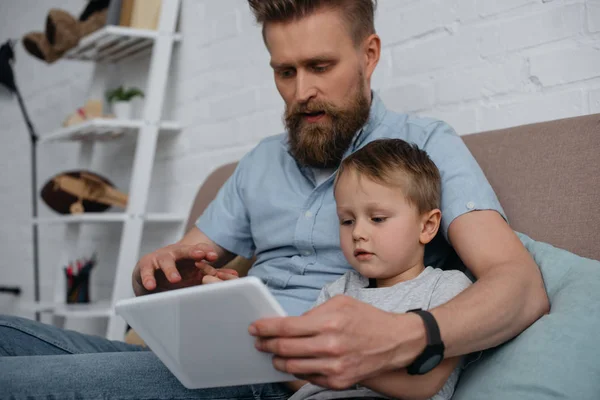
[78, 288]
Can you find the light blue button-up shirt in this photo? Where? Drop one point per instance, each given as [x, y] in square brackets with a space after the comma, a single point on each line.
[273, 208]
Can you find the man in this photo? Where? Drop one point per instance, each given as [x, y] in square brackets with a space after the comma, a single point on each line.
[279, 206]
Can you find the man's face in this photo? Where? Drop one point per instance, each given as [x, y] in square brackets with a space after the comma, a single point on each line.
[324, 81]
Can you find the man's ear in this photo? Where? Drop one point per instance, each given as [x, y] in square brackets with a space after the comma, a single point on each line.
[430, 224]
[371, 52]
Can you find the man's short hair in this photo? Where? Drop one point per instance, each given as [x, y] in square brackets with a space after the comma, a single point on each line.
[359, 15]
[395, 162]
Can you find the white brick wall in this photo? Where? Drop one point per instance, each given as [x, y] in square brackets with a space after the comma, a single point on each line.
[478, 64]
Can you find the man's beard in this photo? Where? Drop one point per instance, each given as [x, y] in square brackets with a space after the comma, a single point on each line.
[322, 144]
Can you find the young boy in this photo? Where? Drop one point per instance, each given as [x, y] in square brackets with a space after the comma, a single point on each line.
[388, 198]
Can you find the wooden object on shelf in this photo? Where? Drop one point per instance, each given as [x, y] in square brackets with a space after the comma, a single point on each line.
[92, 109]
[74, 192]
[145, 14]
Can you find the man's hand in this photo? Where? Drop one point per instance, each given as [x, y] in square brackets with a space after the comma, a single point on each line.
[175, 266]
[341, 342]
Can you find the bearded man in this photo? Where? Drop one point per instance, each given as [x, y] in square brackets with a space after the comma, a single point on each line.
[279, 207]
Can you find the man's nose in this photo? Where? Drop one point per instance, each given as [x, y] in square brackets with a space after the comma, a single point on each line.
[305, 87]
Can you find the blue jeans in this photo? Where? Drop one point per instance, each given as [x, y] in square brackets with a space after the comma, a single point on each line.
[39, 361]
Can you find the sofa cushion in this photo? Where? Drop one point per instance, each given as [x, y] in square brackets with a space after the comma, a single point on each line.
[546, 176]
[559, 355]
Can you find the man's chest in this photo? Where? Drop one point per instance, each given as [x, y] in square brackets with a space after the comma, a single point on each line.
[288, 211]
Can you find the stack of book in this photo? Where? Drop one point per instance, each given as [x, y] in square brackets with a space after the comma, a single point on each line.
[139, 14]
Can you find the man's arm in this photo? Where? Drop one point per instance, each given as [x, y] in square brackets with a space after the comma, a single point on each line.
[178, 265]
[399, 384]
[509, 294]
[344, 341]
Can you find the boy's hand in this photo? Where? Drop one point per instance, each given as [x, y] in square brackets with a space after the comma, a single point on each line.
[214, 275]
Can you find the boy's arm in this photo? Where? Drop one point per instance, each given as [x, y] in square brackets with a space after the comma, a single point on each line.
[399, 384]
[322, 298]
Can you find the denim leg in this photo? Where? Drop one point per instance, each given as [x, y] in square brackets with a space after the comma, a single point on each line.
[25, 337]
[125, 375]
[39, 361]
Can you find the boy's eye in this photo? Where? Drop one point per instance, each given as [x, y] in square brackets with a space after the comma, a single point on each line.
[378, 219]
[346, 222]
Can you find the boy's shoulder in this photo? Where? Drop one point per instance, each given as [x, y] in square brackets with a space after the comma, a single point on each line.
[450, 275]
[345, 283]
[449, 283]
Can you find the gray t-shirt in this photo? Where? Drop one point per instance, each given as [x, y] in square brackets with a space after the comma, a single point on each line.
[430, 289]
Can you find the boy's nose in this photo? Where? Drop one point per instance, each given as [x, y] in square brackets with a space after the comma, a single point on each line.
[359, 233]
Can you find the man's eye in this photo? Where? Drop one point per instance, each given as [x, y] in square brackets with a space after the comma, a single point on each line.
[286, 73]
[320, 68]
[378, 220]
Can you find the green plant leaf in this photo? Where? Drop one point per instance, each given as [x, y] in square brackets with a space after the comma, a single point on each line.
[133, 92]
[122, 94]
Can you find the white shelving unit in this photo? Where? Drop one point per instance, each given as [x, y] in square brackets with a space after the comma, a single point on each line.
[109, 45]
[103, 129]
[93, 310]
[116, 43]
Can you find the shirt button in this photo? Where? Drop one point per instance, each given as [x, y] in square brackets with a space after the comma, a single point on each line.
[308, 214]
[470, 205]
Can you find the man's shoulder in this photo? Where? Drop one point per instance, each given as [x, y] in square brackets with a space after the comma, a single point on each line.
[410, 127]
[271, 143]
[267, 150]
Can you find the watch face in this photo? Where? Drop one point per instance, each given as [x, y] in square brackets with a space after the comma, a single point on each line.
[430, 363]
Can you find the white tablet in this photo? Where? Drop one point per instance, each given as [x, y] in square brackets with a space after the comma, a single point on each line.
[201, 333]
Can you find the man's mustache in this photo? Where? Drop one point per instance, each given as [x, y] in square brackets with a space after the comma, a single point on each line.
[312, 108]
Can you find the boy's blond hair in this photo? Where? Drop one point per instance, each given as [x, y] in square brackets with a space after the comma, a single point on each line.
[395, 162]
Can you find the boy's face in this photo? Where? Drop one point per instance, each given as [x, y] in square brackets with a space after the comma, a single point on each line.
[380, 231]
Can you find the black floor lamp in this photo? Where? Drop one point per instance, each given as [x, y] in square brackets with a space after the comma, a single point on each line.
[7, 78]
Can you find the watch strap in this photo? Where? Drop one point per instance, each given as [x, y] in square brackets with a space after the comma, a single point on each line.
[431, 326]
[433, 353]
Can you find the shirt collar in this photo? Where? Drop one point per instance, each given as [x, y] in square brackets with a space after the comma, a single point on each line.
[376, 115]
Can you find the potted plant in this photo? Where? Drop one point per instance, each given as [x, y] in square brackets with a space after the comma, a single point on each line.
[120, 100]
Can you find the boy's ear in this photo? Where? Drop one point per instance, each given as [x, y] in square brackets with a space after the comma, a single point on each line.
[430, 223]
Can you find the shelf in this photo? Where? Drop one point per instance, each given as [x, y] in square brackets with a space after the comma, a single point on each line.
[96, 309]
[91, 310]
[165, 217]
[81, 218]
[115, 43]
[108, 217]
[35, 307]
[102, 129]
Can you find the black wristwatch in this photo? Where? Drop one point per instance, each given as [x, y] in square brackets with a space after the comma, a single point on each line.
[433, 354]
